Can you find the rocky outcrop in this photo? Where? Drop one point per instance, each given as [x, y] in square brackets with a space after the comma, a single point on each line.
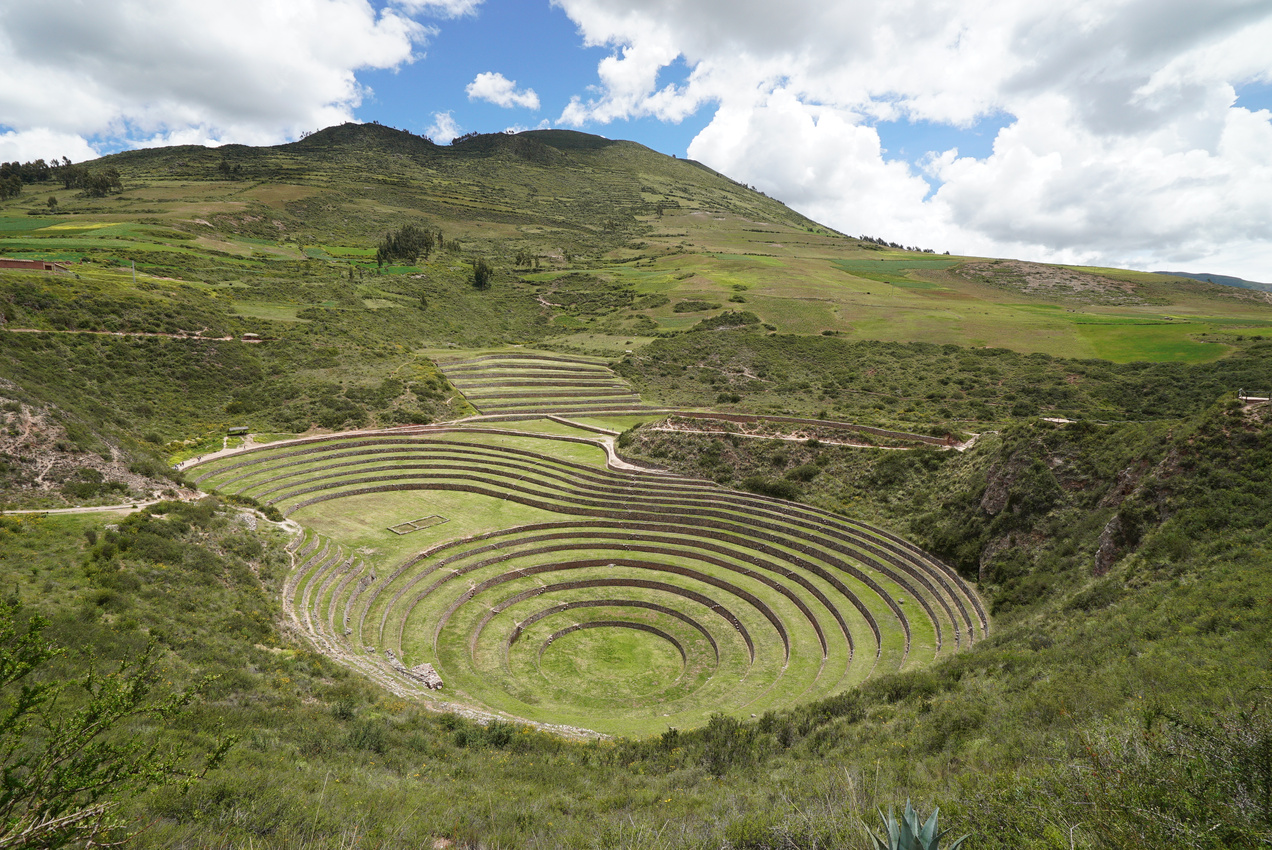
[1109, 548]
[424, 673]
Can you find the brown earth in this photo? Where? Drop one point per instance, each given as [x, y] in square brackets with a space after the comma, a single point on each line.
[1050, 281]
[39, 458]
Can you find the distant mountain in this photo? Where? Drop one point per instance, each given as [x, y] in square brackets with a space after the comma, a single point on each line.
[1223, 280]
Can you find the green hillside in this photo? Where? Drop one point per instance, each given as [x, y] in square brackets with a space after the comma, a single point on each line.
[698, 524]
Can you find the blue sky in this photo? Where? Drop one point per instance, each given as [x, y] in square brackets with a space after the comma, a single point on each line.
[540, 48]
[534, 44]
[1133, 133]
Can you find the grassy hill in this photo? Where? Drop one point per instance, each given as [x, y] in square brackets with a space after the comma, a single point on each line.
[983, 533]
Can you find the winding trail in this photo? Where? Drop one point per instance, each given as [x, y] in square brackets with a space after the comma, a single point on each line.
[249, 338]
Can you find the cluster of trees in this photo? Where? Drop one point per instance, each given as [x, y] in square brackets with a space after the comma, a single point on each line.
[874, 240]
[407, 243]
[526, 259]
[36, 171]
[410, 241]
[95, 184]
[10, 186]
[13, 175]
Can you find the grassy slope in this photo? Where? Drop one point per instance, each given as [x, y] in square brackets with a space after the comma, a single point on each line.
[1030, 735]
[632, 226]
[1074, 669]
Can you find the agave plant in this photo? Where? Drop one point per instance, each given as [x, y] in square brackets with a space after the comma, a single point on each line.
[909, 834]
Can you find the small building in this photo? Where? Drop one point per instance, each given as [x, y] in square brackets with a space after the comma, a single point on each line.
[237, 431]
[33, 265]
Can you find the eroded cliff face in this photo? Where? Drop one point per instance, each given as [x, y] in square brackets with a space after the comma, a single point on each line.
[49, 459]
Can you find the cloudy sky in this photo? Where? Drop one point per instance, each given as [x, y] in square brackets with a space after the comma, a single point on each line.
[1134, 133]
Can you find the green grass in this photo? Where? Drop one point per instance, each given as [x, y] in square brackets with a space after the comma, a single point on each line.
[272, 312]
[613, 664]
[899, 266]
[262, 438]
[795, 275]
[1051, 709]
[16, 224]
[1159, 343]
[321, 747]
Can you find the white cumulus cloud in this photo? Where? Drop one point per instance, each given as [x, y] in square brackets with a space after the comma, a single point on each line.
[1122, 142]
[162, 71]
[443, 129]
[43, 143]
[501, 91]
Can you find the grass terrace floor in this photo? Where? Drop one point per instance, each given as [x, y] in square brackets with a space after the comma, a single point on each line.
[513, 382]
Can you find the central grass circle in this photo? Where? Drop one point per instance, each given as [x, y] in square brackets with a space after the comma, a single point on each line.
[611, 663]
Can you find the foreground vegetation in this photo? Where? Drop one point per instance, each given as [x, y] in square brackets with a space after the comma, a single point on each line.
[1141, 689]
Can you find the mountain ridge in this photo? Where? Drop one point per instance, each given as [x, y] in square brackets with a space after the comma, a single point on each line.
[1223, 280]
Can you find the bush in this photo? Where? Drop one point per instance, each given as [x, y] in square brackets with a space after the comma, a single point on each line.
[727, 319]
[368, 735]
[694, 306]
[61, 763]
[806, 472]
[628, 437]
[777, 488]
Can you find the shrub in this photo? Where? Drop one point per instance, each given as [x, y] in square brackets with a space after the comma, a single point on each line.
[694, 306]
[62, 765]
[777, 488]
[805, 472]
[368, 735]
[727, 319]
[628, 437]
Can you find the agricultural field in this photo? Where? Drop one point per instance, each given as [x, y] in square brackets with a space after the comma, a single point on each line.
[610, 268]
[520, 382]
[543, 587]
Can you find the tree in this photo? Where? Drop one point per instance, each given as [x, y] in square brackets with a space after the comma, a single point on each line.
[99, 184]
[406, 243]
[52, 202]
[65, 760]
[482, 273]
[72, 176]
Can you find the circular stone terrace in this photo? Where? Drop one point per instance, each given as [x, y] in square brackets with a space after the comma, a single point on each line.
[515, 574]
